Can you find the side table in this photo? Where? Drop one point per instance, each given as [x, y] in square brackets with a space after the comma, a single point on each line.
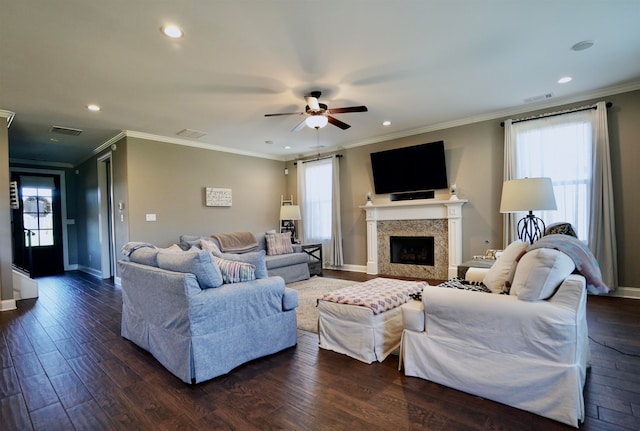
[474, 263]
[314, 251]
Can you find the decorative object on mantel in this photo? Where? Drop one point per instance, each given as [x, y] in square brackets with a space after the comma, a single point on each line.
[528, 194]
[454, 192]
[369, 199]
[216, 197]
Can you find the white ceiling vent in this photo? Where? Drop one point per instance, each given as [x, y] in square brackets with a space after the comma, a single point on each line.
[538, 98]
[65, 130]
[188, 133]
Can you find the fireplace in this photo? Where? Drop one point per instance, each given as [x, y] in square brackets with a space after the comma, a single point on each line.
[440, 219]
[412, 250]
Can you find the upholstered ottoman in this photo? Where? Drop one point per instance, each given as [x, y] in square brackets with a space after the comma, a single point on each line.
[364, 321]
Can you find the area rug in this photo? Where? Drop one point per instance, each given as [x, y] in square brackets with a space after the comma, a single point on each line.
[308, 293]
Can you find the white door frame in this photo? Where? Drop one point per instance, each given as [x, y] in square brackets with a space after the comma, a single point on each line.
[63, 208]
[106, 225]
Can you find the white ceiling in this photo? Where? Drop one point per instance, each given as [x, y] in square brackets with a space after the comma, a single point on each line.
[421, 64]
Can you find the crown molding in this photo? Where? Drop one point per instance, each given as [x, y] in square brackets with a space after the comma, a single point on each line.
[63, 165]
[552, 103]
[187, 143]
[8, 115]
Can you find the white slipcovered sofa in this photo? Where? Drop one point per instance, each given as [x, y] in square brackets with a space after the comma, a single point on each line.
[527, 348]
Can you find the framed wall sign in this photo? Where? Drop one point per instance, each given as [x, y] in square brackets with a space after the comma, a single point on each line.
[216, 197]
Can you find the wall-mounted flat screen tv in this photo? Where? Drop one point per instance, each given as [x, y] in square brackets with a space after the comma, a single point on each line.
[410, 169]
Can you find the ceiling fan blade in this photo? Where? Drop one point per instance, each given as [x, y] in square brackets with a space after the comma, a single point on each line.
[285, 113]
[300, 126]
[312, 102]
[338, 123]
[348, 109]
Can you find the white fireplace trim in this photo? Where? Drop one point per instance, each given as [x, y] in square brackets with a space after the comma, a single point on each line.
[416, 210]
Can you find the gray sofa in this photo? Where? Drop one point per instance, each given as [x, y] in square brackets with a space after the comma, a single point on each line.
[291, 267]
[199, 333]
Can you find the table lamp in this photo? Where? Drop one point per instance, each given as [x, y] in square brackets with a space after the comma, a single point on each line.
[528, 194]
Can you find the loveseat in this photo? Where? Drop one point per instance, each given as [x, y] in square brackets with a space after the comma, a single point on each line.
[523, 343]
[291, 266]
[197, 320]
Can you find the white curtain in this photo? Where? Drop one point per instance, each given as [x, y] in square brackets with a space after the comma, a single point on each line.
[573, 149]
[319, 197]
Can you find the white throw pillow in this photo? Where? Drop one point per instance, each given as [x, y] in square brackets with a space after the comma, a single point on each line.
[501, 272]
[539, 273]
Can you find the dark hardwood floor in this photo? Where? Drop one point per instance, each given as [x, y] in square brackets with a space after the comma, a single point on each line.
[63, 365]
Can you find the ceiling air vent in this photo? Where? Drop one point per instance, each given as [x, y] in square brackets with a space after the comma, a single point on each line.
[65, 130]
[538, 98]
[188, 133]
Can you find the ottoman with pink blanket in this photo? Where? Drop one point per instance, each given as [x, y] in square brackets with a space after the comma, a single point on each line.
[364, 321]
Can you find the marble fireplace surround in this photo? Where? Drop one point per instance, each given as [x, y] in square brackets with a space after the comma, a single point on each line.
[441, 219]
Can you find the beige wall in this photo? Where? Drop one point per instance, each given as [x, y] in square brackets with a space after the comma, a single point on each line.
[474, 155]
[169, 180]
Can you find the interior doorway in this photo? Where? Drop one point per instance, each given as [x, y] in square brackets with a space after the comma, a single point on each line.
[106, 220]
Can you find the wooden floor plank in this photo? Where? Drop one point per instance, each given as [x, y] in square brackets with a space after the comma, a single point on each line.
[63, 365]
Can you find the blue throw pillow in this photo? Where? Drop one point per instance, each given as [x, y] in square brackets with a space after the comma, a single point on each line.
[199, 263]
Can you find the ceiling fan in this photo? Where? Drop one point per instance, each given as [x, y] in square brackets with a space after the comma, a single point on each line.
[318, 114]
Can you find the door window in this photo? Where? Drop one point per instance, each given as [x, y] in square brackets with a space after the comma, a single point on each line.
[37, 216]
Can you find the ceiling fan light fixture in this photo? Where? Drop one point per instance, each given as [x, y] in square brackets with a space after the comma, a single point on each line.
[316, 121]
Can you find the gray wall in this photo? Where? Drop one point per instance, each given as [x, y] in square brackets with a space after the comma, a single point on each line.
[475, 163]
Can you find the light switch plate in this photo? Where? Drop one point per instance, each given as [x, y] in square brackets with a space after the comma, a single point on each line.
[151, 217]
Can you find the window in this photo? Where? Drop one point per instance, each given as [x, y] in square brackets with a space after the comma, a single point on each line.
[560, 148]
[317, 200]
[37, 216]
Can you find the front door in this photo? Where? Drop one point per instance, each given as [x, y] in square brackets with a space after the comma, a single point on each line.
[37, 225]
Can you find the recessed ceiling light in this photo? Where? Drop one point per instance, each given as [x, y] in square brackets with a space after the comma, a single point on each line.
[93, 107]
[172, 31]
[287, 147]
[386, 123]
[581, 46]
[564, 80]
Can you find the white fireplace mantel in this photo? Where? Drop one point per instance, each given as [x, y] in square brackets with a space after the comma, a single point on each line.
[416, 210]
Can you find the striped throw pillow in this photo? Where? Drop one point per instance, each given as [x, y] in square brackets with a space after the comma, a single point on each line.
[279, 243]
[235, 272]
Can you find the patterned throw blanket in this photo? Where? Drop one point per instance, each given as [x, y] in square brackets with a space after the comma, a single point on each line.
[379, 294]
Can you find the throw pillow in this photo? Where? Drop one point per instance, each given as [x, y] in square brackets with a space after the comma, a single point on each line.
[199, 263]
[255, 258]
[234, 271]
[145, 256]
[539, 273]
[279, 243]
[499, 276]
[211, 246]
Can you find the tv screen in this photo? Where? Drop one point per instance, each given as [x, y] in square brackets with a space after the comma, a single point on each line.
[410, 169]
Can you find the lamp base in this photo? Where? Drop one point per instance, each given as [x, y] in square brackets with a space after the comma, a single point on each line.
[530, 228]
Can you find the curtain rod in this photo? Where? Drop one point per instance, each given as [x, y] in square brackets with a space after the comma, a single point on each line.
[339, 156]
[555, 114]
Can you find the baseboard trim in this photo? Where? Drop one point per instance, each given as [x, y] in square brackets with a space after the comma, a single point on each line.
[351, 268]
[90, 271]
[626, 292]
[8, 305]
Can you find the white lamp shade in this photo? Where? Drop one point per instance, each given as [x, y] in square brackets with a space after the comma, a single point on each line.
[316, 121]
[527, 194]
[290, 212]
